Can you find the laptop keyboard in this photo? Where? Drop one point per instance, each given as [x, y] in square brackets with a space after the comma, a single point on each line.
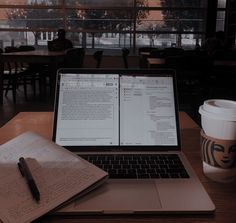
[137, 166]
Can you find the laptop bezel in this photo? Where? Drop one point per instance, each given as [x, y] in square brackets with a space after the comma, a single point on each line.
[108, 148]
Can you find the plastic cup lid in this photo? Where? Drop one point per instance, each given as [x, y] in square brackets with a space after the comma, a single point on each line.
[219, 109]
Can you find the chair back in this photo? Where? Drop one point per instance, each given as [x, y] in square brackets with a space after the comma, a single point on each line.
[12, 67]
[75, 58]
[26, 48]
[173, 51]
[98, 57]
[146, 49]
[11, 49]
[125, 53]
[51, 46]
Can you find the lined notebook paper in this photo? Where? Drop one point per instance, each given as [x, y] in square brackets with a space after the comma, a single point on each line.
[59, 174]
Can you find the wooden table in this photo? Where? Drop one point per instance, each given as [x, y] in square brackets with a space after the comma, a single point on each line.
[223, 195]
[52, 58]
[144, 53]
[155, 62]
[229, 63]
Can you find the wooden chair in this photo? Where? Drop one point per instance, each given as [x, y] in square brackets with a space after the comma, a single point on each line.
[31, 72]
[16, 73]
[12, 77]
[75, 58]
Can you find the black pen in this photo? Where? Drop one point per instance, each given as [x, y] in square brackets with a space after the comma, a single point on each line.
[25, 171]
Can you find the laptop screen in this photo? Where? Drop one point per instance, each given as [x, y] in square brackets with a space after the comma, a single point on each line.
[115, 109]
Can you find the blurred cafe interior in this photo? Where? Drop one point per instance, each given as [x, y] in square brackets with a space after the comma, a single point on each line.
[195, 38]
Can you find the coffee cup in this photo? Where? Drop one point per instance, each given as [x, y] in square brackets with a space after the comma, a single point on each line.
[218, 139]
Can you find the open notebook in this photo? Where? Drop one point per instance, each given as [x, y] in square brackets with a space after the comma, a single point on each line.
[59, 175]
[126, 122]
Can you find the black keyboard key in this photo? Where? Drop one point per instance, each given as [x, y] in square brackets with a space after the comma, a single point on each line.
[143, 176]
[162, 166]
[133, 162]
[164, 175]
[131, 171]
[174, 175]
[154, 166]
[141, 171]
[116, 167]
[136, 167]
[106, 162]
[112, 171]
[154, 175]
[124, 162]
[126, 166]
[115, 162]
[160, 171]
[184, 175]
[144, 166]
[151, 171]
[121, 171]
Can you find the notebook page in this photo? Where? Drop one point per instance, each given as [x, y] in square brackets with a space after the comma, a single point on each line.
[59, 175]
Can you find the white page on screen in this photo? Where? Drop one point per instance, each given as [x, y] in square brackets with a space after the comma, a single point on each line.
[88, 110]
[147, 112]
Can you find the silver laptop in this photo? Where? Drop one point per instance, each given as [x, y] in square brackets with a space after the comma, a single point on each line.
[126, 122]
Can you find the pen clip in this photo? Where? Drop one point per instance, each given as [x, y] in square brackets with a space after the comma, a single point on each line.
[21, 170]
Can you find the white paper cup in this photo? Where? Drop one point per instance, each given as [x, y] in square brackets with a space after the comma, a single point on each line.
[218, 118]
[218, 139]
[218, 174]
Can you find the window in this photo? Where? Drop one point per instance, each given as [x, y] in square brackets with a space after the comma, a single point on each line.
[104, 23]
[220, 16]
[44, 36]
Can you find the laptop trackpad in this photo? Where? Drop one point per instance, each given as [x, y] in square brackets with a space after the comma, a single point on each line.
[116, 196]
